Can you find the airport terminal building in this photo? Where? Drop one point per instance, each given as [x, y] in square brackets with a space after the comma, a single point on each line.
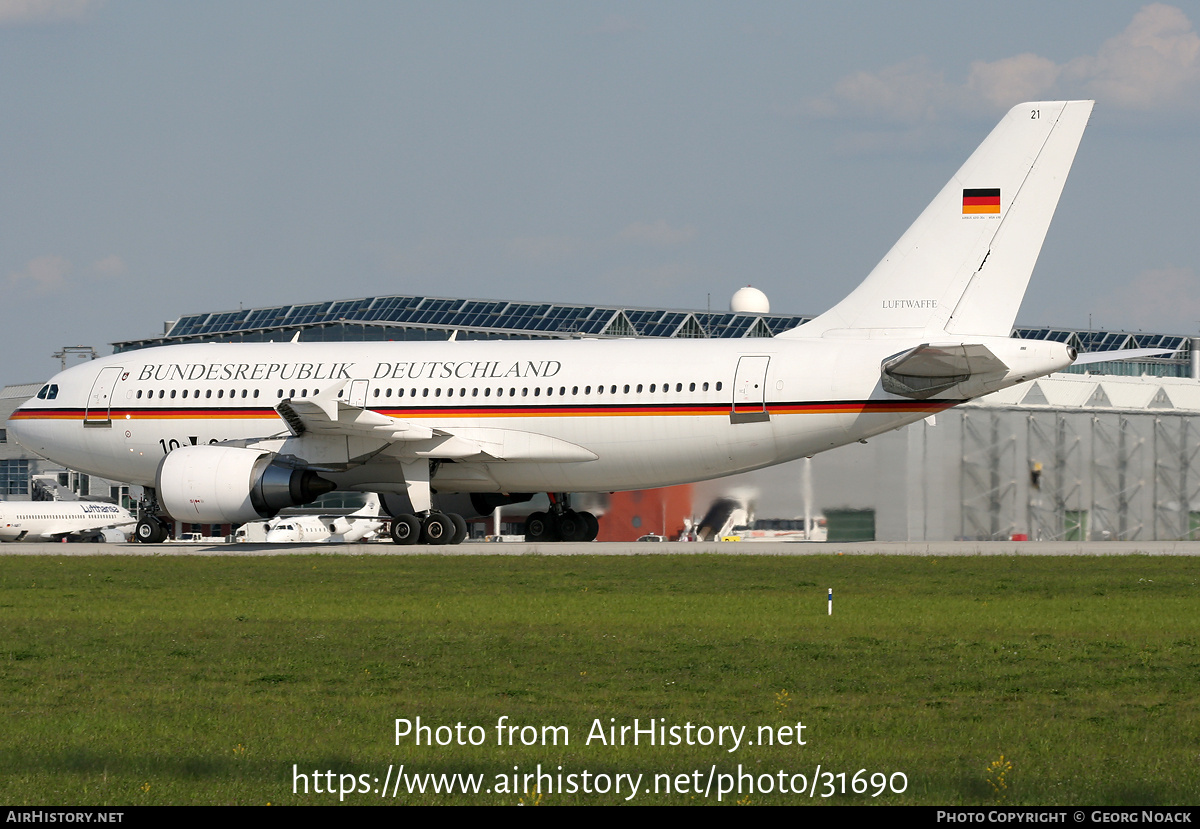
[1110, 453]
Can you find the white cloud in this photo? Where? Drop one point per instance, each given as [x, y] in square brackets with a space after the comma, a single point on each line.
[110, 266]
[659, 233]
[907, 92]
[16, 12]
[1154, 64]
[45, 273]
[543, 248]
[617, 24]
[1160, 299]
[1009, 81]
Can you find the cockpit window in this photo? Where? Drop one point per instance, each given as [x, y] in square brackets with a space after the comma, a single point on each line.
[53, 393]
[42, 392]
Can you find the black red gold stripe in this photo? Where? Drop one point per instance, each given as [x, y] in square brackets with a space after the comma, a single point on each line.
[475, 411]
[983, 200]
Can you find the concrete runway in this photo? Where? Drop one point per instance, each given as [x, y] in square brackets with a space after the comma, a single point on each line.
[937, 548]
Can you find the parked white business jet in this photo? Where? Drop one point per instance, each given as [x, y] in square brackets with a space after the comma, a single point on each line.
[56, 520]
[236, 432]
[362, 525]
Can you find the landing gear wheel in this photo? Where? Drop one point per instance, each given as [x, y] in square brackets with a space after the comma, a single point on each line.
[539, 528]
[437, 528]
[460, 528]
[593, 525]
[572, 526]
[150, 531]
[406, 529]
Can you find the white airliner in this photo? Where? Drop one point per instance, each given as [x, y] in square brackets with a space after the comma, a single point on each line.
[362, 525]
[56, 520]
[228, 433]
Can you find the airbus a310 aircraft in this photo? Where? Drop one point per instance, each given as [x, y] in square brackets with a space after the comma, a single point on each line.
[228, 433]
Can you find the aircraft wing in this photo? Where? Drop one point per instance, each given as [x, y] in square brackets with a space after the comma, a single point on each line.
[325, 415]
[67, 531]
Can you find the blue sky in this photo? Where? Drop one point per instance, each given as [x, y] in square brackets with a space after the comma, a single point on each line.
[165, 158]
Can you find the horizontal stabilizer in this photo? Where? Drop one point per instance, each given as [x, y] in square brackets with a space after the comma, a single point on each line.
[930, 368]
[1121, 354]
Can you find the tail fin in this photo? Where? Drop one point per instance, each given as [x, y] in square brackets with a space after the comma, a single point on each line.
[370, 508]
[963, 266]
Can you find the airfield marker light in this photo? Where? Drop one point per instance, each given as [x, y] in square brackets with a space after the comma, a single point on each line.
[831, 601]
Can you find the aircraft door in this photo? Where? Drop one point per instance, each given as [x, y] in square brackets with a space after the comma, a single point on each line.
[750, 391]
[358, 393]
[99, 403]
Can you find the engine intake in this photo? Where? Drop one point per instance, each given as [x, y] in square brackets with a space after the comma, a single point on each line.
[226, 484]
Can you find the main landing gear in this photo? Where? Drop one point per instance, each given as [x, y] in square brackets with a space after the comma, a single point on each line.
[428, 526]
[561, 523]
[432, 528]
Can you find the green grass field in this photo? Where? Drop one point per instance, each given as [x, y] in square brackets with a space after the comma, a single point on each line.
[203, 680]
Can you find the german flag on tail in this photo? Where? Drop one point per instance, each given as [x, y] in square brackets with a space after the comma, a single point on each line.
[981, 201]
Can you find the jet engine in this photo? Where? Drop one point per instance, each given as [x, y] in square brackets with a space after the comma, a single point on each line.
[226, 484]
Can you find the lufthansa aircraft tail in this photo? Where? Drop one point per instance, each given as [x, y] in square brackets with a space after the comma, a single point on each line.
[962, 268]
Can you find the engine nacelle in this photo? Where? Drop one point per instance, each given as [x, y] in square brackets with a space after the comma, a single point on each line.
[228, 485]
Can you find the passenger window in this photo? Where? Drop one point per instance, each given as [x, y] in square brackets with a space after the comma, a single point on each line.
[487, 392]
[524, 392]
[139, 394]
[679, 387]
[627, 388]
[256, 393]
[220, 393]
[208, 394]
[172, 394]
[243, 394]
[437, 392]
[706, 386]
[388, 393]
[718, 385]
[692, 387]
[184, 394]
[653, 386]
[425, 392]
[537, 391]
[613, 390]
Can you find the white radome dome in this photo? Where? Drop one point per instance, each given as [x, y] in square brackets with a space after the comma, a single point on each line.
[750, 300]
